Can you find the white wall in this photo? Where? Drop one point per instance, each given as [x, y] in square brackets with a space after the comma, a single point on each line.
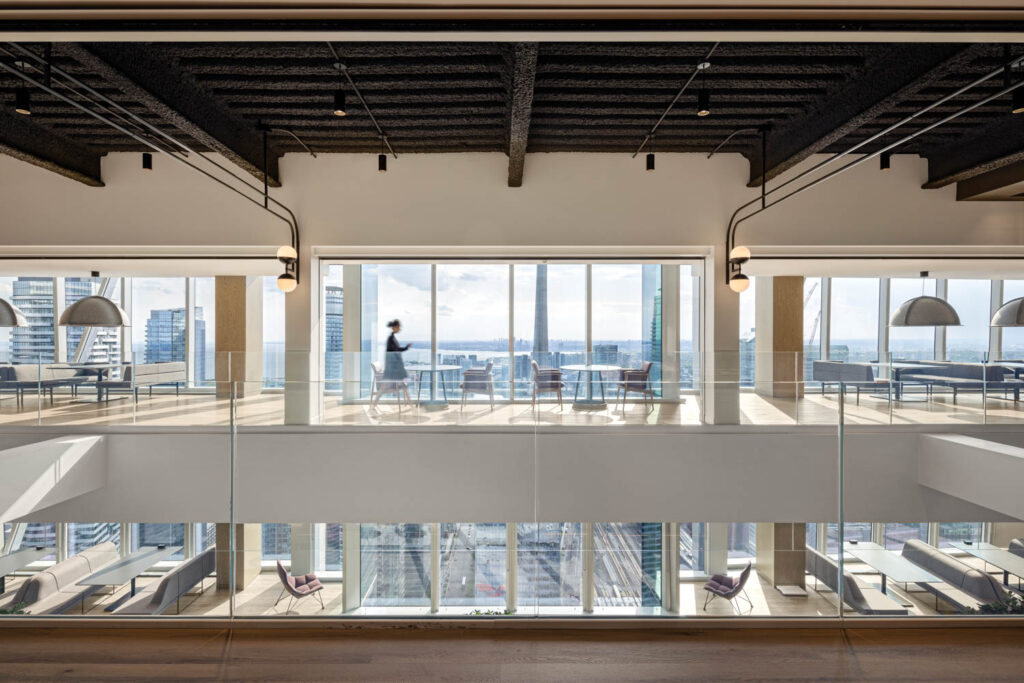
[379, 475]
[579, 200]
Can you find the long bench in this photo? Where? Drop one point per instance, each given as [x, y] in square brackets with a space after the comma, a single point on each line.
[31, 377]
[964, 587]
[850, 375]
[55, 590]
[157, 597]
[864, 598]
[145, 375]
[962, 377]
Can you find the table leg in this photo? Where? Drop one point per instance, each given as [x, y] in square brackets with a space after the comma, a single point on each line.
[576, 393]
[3, 584]
[419, 385]
[100, 376]
[600, 383]
[590, 386]
[444, 387]
[133, 586]
[883, 583]
[1006, 578]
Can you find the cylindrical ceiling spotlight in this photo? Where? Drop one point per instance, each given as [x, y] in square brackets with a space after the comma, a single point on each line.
[339, 103]
[382, 158]
[1018, 101]
[885, 161]
[703, 102]
[23, 101]
[650, 161]
[147, 161]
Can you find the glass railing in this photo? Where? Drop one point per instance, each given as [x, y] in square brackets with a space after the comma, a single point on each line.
[844, 517]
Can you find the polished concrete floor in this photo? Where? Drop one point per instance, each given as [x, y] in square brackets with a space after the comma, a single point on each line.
[195, 409]
[404, 652]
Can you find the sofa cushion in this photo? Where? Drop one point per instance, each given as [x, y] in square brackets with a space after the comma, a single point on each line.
[1017, 546]
[954, 572]
[68, 572]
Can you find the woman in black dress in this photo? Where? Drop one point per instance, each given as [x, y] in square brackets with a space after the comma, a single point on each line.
[394, 367]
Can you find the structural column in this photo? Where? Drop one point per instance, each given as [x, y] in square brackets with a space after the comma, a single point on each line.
[309, 552]
[721, 331]
[781, 554]
[248, 554]
[351, 597]
[779, 344]
[239, 343]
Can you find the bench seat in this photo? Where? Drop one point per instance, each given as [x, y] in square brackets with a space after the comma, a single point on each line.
[55, 590]
[963, 587]
[158, 596]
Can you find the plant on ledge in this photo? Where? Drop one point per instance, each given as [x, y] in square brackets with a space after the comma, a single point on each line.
[18, 608]
[1012, 605]
[490, 613]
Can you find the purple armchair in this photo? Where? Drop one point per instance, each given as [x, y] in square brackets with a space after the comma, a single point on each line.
[546, 381]
[298, 587]
[728, 587]
[637, 381]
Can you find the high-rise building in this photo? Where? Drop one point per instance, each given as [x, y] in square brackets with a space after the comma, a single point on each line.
[333, 327]
[35, 343]
[165, 337]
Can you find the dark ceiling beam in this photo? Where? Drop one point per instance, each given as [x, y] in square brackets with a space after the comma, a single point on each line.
[25, 140]
[523, 69]
[890, 76]
[985, 149]
[146, 74]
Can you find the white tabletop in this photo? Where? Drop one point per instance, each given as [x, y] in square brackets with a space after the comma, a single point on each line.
[12, 562]
[591, 368]
[127, 568]
[994, 555]
[426, 367]
[894, 566]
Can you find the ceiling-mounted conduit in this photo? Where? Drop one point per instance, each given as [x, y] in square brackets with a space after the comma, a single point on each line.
[130, 125]
[734, 221]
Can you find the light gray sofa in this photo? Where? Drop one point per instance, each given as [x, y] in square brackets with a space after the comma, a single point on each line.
[55, 590]
[1017, 546]
[964, 587]
[149, 375]
[158, 596]
[864, 598]
[29, 378]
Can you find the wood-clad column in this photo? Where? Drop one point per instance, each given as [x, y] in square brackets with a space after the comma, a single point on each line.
[239, 339]
[781, 552]
[248, 554]
[779, 321]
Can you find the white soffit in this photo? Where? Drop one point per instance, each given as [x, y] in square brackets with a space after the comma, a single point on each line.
[987, 268]
[129, 267]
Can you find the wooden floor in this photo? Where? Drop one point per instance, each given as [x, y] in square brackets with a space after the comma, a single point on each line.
[167, 409]
[537, 655]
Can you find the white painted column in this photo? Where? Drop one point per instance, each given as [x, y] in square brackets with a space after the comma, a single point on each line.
[511, 566]
[190, 315]
[435, 568]
[308, 548]
[126, 332]
[670, 566]
[60, 333]
[587, 585]
[352, 330]
[351, 575]
[995, 334]
[670, 322]
[717, 554]
[941, 291]
[302, 343]
[721, 336]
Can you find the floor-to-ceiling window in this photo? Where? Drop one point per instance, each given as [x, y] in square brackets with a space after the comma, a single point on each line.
[689, 328]
[550, 319]
[6, 293]
[910, 343]
[895, 534]
[957, 532]
[204, 332]
[550, 565]
[472, 565]
[395, 565]
[472, 323]
[748, 331]
[968, 342]
[853, 331]
[158, 319]
[1012, 343]
[273, 334]
[692, 547]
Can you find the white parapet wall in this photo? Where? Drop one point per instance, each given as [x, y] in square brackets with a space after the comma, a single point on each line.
[37, 476]
[429, 475]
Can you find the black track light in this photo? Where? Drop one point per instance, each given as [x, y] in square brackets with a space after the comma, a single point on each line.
[23, 101]
[884, 161]
[703, 102]
[650, 161]
[147, 161]
[339, 103]
[1018, 101]
[382, 163]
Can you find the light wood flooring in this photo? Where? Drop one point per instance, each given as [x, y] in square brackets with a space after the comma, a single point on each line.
[268, 409]
[536, 655]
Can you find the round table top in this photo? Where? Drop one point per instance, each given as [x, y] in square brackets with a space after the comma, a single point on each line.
[591, 368]
[427, 367]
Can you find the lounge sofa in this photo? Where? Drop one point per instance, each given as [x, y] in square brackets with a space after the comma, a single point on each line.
[864, 598]
[1017, 546]
[852, 375]
[964, 587]
[56, 590]
[158, 596]
[145, 375]
[962, 377]
[29, 378]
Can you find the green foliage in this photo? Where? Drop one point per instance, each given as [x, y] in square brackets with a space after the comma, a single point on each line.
[18, 608]
[490, 613]
[1012, 605]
